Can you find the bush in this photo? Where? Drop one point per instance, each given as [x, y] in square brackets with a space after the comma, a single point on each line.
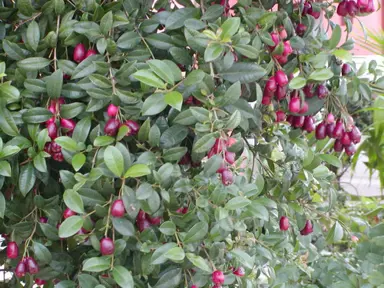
[149, 147]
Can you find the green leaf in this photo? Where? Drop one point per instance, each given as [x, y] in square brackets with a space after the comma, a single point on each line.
[5, 169]
[144, 130]
[195, 77]
[213, 12]
[73, 201]
[78, 161]
[96, 264]
[158, 256]
[234, 121]
[123, 226]
[343, 55]
[331, 159]
[199, 262]
[173, 136]
[335, 38]
[162, 70]
[33, 63]
[36, 115]
[174, 154]
[70, 227]
[170, 279]
[106, 23]
[243, 72]
[137, 170]
[49, 231]
[154, 104]
[321, 74]
[297, 83]
[13, 50]
[25, 7]
[42, 138]
[114, 160]
[66, 284]
[39, 162]
[86, 67]
[154, 136]
[204, 143]
[258, 211]
[196, 233]
[67, 143]
[41, 253]
[80, 134]
[27, 178]
[54, 84]
[7, 123]
[87, 281]
[229, 28]
[149, 78]
[247, 50]
[243, 258]
[2, 205]
[128, 40]
[69, 111]
[103, 140]
[175, 254]
[160, 41]
[9, 92]
[177, 18]
[213, 52]
[335, 234]
[33, 35]
[123, 277]
[100, 81]
[237, 203]
[231, 95]
[181, 55]
[168, 228]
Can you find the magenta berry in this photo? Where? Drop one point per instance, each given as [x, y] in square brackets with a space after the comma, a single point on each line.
[43, 220]
[280, 116]
[337, 146]
[330, 118]
[68, 213]
[346, 69]
[298, 121]
[304, 108]
[79, 53]
[240, 272]
[107, 247]
[143, 225]
[301, 29]
[67, 124]
[218, 277]
[320, 131]
[355, 135]
[345, 139]
[117, 208]
[230, 157]
[287, 48]
[330, 128]
[90, 52]
[271, 84]
[281, 78]
[275, 39]
[32, 266]
[111, 127]
[350, 150]
[266, 100]
[282, 32]
[112, 110]
[281, 92]
[342, 8]
[294, 105]
[133, 126]
[21, 269]
[39, 282]
[52, 131]
[322, 91]
[308, 228]
[227, 177]
[309, 90]
[352, 8]
[339, 130]
[284, 223]
[12, 250]
[309, 124]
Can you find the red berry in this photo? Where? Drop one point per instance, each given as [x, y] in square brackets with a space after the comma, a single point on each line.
[182, 210]
[350, 150]
[111, 127]
[186, 159]
[369, 9]
[322, 91]
[300, 29]
[282, 32]
[39, 281]
[223, 166]
[68, 213]
[50, 120]
[12, 250]
[309, 91]
[67, 124]
[287, 48]
[338, 147]
[90, 52]
[280, 116]
[308, 229]
[55, 148]
[59, 157]
[355, 135]
[52, 108]
[141, 215]
[294, 105]
[231, 141]
[52, 131]
[117, 208]
[143, 224]
[345, 139]
[156, 220]
[339, 130]
[239, 272]
[230, 157]
[189, 101]
[290, 119]
[330, 118]
[281, 78]
[330, 128]
[271, 84]
[133, 126]
[275, 39]
[342, 8]
[218, 277]
[320, 131]
[79, 53]
[304, 108]
[314, 13]
[298, 121]
[66, 77]
[284, 223]
[43, 220]
[281, 59]
[309, 124]
[306, 8]
[107, 247]
[227, 177]
[32, 266]
[21, 269]
[194, 286]
[281, 92]
[352, 8]
[266, 100]
[346, 69]
[112, 110]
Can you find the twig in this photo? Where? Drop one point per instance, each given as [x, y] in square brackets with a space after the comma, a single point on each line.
[54, 49]
[145, 43]
[111, 76]
[17, 26]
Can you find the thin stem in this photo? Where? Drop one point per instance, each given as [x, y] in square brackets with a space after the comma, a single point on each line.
[111, 76]
[17, 26]
[54, 49]
[145, 43]
[108, 217]
[209, 259]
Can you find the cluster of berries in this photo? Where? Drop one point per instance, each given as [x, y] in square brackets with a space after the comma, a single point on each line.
[112, 126]
[275, 86]
[277, 37]
[284, 226]
[353, 8]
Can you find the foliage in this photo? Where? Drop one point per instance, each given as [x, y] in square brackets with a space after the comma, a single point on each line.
[163, 109]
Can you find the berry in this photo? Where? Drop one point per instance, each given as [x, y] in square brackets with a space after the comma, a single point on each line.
[309, 124]
[308, 229]
[350, 150]
[281, 59]
[43, 220]
[314, 13]
[322, 91]
[133, 126]
[227, 177]
[90, 52]
[281, 78]
[32, 266]
[342, 8]
[107, 247]
[284, 223]
[266, 100]
[304, 108]
[282, 32]
[52, 108]
[309, 91]
[12, 250]
[239, 272]
[59, 157]
[294, 105]
[52, 131]
[354, 239]
[21, 269]
[320, 131]
[287, 48]
[369, 9]
[290, 119]
[281, 92]
[39, 281]
[79, 53]
[352, 8]
[362, 4]
[182, 210]
[223, 166]
[338, 147]
[355, 135]
[186, 159]
[346, 69]
[55, 148]
[189, 101]
[280, 116]
[117, 208]
[231, 141]
[230, 157]
[143, 224]
[300, 29]
[330, 118]
[68, 213]
[141, 215]
[67, 124]
[112, 110]
[111, 127]
[218, 277]
[339, 130]
[298, 121]
[330, 128]
[345, 139]
[271, 84]
[307, 7]
[155, 220]
[275, 39]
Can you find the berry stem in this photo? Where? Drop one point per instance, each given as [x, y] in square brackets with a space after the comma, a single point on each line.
[209, 259]
[55, 49]
[108, 217]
